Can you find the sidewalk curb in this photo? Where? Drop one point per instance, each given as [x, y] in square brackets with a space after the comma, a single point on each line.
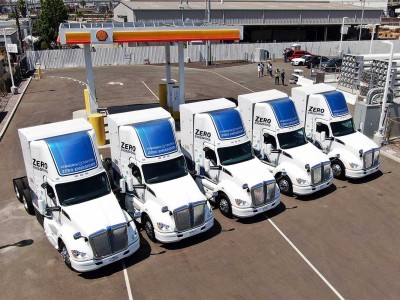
[14, 110]
[384, 153]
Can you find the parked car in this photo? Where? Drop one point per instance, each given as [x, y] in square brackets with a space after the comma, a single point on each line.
[331, 65]
[298, 53]
[315, 60]
[300, 60]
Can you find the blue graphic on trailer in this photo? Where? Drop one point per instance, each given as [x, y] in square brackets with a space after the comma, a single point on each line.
[228, 123]
[285, 112]
[72, 153]
[337, 104]
[157, 137]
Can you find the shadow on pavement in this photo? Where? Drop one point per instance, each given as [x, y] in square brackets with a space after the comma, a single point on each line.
[368, 178]
[264, 216]
[22, 243]
[212, 232]
[140, 255]
[320, 194]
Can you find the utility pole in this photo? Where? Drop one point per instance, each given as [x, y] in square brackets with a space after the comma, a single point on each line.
[208, 52]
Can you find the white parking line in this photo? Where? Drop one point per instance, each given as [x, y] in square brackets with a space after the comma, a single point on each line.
[307, 261]
[128, 286]
[228, 79]
[150, 90]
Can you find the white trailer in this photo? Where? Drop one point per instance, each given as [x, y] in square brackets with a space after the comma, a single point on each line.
[216, 146]
[329, 125]
[148, 165]
[67, 188]
[279, 140]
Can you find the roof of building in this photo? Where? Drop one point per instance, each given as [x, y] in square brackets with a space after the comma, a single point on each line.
[242, 5]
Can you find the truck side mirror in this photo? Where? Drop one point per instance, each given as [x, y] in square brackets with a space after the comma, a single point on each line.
[268, 149]
[207, 165]
[323, 136]
[122, 186]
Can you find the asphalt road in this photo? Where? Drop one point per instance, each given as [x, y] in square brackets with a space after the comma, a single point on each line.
[344, 240]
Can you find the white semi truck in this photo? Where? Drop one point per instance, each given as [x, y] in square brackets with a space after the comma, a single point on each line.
[216, 146]
[149, 167]
[279, 140]
[67, 188]
[329, 125]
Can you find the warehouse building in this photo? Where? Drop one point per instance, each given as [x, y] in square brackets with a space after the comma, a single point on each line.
[272, 21]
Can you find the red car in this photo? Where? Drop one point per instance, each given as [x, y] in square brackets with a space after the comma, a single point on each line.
[299, 53]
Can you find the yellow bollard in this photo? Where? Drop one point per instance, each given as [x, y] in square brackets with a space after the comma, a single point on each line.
[97, 121]
[162, 95]
[39, 73]
[86, 93]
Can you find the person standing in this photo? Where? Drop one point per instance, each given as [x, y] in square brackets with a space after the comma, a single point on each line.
[277, 75]
[283, 76]
[270, 69]
[259, 70]
[262, 69]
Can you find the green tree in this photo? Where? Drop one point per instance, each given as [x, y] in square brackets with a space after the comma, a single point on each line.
[22, 8]
[53, 13]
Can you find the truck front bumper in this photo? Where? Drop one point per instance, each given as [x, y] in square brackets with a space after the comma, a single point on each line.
[361, 173]
[310, 189]
[94, 264]
[170, 237]
[247, 212]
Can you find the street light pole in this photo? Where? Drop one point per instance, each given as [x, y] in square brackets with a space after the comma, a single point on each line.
[362, 19]
[341, 37]
[208, 54]
[14, 89]
[372, 37]
[379, 135]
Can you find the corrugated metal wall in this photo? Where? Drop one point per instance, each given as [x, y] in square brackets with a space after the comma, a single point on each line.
[71, 58]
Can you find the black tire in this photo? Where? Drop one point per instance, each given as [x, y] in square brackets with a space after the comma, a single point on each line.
[301, 63]
[225, 206]
[18, 188]
[27, 200]
[285, 185]
[25, 182]
[149, 228]
[338, 169]
[65, 255]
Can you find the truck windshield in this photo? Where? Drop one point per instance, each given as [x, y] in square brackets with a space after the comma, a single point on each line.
[235, 154]
[292, 139]
[165, 170]
[83, 190]
[342, 128]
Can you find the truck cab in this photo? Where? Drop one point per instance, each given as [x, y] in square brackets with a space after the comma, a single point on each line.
[148, 165]
[68, 190]
[279, 140]
[216, 146]
[329, 125]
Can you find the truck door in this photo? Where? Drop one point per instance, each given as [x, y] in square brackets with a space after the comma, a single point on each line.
[273, 158]
[211, 178]
[52, 220]
[139, 193]
[322, 126]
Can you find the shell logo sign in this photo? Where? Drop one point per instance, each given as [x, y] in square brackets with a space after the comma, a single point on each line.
[101, 35]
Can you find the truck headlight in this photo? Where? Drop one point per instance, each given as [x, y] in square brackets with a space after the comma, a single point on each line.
[79, 255]
[354, 166]
[162, 226]
[241, 202]
[302, 181]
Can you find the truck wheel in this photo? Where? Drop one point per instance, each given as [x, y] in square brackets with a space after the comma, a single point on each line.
[225, 206]
[18, 188]
[338, 169]
[148, 227]
[65, 255]
[285, 185]
[27, 200]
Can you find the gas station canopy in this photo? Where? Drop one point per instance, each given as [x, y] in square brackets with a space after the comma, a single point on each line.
[107, 33]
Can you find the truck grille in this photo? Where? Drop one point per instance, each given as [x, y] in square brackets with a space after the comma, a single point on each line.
[263, 193]
[371, 158]
[320, 173]
[188, 217]
[109, 241]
